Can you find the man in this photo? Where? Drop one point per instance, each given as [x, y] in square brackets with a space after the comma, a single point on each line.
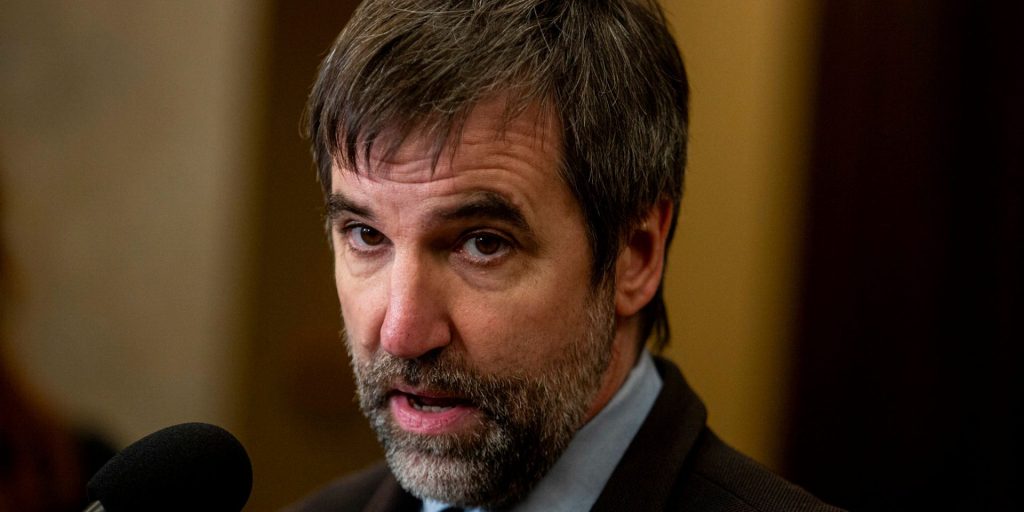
[502, 181]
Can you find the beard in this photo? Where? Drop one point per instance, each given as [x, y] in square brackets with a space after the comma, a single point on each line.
[525, 419]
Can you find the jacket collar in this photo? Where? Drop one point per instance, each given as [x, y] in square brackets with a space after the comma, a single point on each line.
[645, 477]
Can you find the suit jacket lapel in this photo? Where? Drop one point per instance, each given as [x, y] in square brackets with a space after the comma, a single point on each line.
[644, 479]
[390, 497]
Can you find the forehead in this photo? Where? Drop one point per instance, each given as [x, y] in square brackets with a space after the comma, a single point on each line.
[518, 156]
[490, 126]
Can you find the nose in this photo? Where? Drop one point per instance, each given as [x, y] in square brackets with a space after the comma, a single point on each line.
[416, 321]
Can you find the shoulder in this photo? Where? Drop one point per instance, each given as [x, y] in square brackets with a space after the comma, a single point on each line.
[350, 493]
[676, 462]
[717, 477]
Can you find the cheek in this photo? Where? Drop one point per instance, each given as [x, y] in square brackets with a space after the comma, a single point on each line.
[529, 325]
[520, 330]
[360, 313]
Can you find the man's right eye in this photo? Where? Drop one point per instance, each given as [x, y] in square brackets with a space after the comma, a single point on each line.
[363, 238]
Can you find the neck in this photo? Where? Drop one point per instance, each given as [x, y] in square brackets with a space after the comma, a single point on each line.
[625, 351]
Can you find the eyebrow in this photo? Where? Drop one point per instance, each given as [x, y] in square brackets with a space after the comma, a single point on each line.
[481, 205]
[487, 205]
[337, 204]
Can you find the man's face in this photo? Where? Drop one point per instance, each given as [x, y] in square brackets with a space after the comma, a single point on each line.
[478, 342]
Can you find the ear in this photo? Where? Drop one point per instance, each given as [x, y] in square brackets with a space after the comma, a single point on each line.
[641, 261]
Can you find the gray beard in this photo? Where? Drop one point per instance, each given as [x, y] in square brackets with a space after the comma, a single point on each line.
[527, 418]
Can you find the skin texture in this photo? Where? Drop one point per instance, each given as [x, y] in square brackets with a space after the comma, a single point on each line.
[480, 268]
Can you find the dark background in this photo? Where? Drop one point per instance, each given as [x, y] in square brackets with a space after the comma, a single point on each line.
[910, 333]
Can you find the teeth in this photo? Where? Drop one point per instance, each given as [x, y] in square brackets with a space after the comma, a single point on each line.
[427, 408]
[432, 408]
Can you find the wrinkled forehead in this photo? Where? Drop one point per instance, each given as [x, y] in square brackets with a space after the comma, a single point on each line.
[496, 122]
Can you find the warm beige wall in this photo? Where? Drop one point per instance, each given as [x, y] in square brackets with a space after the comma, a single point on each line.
[731, 275]
[123, 137]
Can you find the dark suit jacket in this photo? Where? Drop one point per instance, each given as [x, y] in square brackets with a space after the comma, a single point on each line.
[674, 463]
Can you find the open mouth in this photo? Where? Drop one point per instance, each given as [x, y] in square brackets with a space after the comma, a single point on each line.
[432, 404]
[428, 413]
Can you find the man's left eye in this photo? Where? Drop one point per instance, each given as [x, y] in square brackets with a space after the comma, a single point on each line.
[485, 246]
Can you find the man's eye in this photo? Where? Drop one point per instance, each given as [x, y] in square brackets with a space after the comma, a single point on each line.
[364, 237]
[485, 246]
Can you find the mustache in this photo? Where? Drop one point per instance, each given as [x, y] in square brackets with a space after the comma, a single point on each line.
[445, 372]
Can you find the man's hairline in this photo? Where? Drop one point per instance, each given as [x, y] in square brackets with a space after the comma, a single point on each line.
[547, 117]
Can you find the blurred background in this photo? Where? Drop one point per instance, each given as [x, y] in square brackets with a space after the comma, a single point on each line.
[846, 286]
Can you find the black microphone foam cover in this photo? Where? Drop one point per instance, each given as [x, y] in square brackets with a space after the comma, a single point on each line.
[192, 466]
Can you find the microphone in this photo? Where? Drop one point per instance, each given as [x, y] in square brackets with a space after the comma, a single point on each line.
[191, 466]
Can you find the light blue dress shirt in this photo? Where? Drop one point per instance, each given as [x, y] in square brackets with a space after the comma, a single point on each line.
[575, 482]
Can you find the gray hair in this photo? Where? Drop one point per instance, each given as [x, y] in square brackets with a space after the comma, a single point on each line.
[609, 69]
